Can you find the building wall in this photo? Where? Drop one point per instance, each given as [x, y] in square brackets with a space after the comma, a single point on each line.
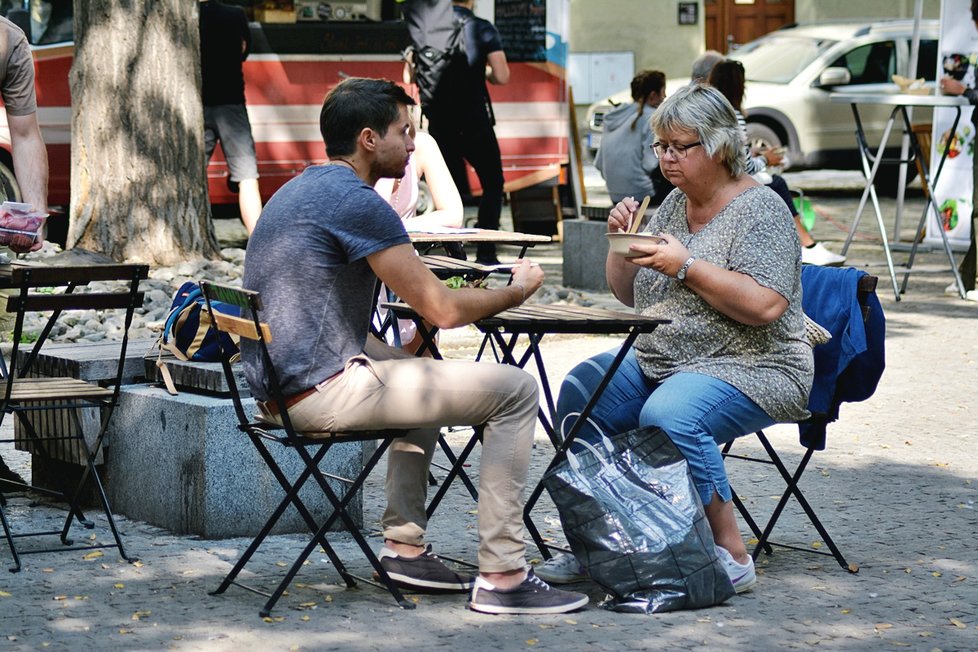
[650, 28]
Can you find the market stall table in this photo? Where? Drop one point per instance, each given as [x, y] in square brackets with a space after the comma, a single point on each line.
[901, 103]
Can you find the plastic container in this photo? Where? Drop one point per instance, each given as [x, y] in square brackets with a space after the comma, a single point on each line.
[20, 225]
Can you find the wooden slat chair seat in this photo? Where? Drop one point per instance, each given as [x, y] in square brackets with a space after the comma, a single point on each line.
[310, 448]
[54, 291]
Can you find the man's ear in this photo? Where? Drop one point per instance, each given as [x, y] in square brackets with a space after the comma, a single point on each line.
[367, 139]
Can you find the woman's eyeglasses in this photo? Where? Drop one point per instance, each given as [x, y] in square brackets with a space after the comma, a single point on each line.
[678, 151]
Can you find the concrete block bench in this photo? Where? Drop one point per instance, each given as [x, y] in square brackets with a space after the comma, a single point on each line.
[180, 462]
[585, 251]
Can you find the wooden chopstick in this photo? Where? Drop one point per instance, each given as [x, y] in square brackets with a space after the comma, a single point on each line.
[633, 227]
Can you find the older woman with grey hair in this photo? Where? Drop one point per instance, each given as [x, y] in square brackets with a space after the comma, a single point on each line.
[727, 272]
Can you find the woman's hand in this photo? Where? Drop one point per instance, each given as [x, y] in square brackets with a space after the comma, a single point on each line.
[666, 258]
[620, 217]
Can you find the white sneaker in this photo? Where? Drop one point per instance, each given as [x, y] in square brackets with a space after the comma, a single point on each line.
[969, 295]
[742, 576]
[562, 568]
[817, 254]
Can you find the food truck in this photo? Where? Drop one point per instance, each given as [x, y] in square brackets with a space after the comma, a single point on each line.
[300, 50]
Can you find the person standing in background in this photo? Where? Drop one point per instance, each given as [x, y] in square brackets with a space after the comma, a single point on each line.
[461, 119]
[703, 64]
[968, 267]
[29, 154]
[225, 42]
[625, 159]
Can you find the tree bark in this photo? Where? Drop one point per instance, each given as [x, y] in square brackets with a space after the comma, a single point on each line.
[138, 174]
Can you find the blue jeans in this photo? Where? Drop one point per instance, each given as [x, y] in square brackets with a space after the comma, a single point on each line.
[698, 413]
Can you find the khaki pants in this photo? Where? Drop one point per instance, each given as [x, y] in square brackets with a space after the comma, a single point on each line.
[388, 388]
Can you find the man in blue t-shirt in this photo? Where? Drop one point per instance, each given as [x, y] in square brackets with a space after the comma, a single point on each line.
[322, 241]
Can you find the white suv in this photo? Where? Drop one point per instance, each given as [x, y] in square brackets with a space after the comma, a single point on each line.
[790, 74]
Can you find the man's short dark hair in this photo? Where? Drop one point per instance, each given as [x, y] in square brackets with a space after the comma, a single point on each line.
[355, 104]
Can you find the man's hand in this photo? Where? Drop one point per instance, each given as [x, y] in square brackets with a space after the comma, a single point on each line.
[951, 86]
[529, 276]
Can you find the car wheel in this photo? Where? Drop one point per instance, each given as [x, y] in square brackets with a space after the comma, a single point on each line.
[762, 137]
[9, 188]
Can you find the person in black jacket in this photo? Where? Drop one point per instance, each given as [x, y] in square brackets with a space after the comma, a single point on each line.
[224, 44]
[461, 119]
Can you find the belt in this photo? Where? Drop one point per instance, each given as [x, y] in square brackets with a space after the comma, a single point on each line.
[271, 407]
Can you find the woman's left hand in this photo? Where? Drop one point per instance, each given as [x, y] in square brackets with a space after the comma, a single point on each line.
[666, 257]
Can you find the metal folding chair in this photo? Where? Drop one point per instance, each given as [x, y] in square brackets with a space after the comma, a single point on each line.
[310, 450]
[52, 290]
[813, 430]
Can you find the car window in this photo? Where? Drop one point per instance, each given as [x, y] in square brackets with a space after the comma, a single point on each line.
[779, 59]
[873, 63]
[927, 60]
[49, 21]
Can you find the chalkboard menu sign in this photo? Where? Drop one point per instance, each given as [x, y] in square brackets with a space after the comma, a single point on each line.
[522, 24]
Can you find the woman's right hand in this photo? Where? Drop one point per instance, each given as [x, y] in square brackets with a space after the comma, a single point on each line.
[620, 217]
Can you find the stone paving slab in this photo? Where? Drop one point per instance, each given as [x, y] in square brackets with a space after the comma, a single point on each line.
[896, 488]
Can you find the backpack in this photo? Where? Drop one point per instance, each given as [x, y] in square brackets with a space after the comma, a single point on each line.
[437, 45]
[188, 332]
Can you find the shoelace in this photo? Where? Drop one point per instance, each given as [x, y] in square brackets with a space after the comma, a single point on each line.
[536, 581]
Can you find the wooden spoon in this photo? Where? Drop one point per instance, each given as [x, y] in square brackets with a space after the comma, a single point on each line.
[637, 220]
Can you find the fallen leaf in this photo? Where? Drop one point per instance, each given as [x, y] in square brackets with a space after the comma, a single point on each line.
[307, 605]
[936, 573]
[816, 544]
[545, 626]
[137, 564]
[957, 623]
[60, 597]
[47, 570]
[846, 611]
[93, 555]
[304, 618]
[882, 626]
[281, 564]
[141, 614]
[125, 631]
[532, 641]
[5, 594]
[571, 622]
[118, 585]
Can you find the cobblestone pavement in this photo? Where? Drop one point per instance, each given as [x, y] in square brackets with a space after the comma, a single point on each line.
[896, 487]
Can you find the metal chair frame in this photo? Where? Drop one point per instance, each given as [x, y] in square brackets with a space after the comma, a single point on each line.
[310, 450]
[23, 395]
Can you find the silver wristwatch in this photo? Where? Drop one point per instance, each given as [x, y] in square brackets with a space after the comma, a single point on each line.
[681, 274]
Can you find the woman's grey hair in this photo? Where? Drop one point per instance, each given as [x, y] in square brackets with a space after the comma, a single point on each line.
[703, 110]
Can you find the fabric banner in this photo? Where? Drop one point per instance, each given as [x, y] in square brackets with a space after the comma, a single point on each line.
[953, 193]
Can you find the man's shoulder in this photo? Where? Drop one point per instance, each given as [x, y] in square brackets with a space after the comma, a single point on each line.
[13, 33]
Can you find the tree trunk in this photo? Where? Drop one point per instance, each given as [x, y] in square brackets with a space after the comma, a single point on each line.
[138, 175]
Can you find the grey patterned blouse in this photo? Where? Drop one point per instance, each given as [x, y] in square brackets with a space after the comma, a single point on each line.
[771, 364]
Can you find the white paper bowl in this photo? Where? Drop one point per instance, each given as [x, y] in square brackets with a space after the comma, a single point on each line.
[619, 243]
